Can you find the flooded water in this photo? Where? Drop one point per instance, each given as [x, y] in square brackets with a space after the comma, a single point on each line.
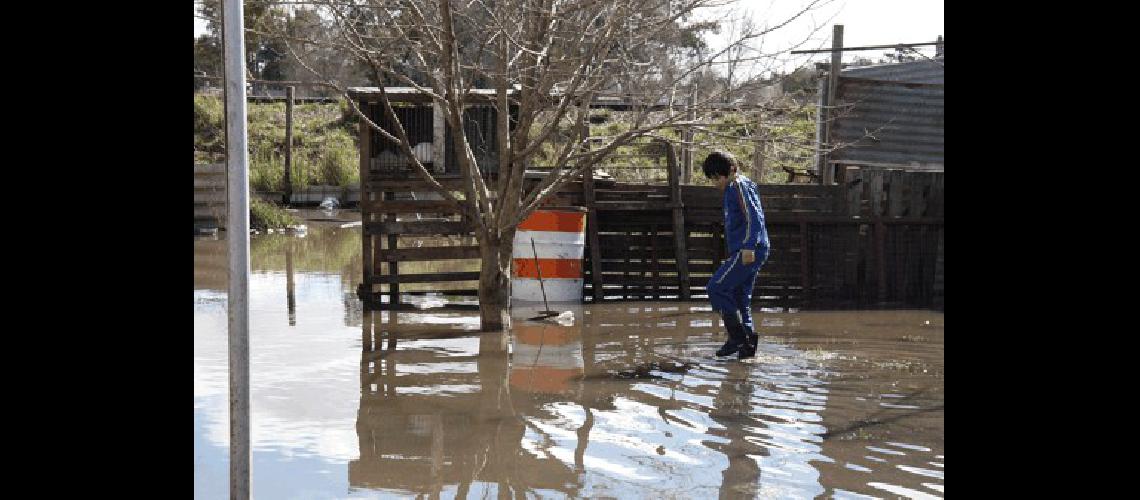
[624, 401]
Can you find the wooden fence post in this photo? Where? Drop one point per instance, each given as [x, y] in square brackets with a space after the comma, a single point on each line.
[828, 174]
[592, 221]
[366, 230]
[680, 237]
[288, 144]
[805, 264]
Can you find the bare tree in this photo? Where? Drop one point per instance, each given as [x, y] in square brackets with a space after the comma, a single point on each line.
[546, 59]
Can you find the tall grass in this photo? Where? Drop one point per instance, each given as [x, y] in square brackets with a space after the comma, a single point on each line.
[325, 150]
[263, 215]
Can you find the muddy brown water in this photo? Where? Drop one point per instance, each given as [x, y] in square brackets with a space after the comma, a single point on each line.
[625, 401]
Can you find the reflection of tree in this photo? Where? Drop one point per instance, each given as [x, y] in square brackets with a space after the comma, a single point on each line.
[431, 417]
[456, 414]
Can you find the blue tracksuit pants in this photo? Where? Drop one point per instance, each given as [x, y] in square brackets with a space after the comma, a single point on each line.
[730, 288]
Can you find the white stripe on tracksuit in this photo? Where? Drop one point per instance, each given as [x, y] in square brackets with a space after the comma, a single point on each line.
[729, 268]
[744, 208]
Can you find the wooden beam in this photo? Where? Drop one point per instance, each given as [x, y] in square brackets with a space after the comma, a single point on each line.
[679, 234]
[429, 253]
[833, 49]
[410, 206]
[827, 177]
[395, 279]
[365, 213]
[419, 228]
[288, 144]
[592, 226]
[805, 256]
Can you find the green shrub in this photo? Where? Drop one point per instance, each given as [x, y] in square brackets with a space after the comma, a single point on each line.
[263, 215]
[266, 171]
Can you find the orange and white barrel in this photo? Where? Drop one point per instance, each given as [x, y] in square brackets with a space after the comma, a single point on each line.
[546, 357]
[559, 237]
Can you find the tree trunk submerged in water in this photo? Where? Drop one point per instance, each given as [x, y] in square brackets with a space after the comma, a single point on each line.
[495, 282]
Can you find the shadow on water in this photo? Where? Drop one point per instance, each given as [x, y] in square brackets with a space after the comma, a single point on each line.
[624, 401]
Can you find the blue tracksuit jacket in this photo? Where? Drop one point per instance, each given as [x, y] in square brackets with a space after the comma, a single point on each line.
[744, 218]
[730, 288]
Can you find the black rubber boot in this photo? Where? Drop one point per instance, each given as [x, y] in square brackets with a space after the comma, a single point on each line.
[736, 335]
[748, 348]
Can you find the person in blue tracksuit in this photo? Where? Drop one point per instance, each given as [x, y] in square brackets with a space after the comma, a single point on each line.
[730, 288]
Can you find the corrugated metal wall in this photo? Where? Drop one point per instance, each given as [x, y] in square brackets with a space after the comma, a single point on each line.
[913, 72]
[891, 114]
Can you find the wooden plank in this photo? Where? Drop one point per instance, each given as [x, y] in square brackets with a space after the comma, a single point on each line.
[458, 292]
[840, 199]
[210, 197]
[874, 181]
[411, 184]
[880, 260]
[393, 266]
[202, 182]
[681, 252]
[805, 270]
[429, 277]
[429, 253]
[419, 228]
[210, 168]
[809, 190]
[631, 205]
[917, 199]
[621, 194]
[411, 206]
[288, 174]
[610, 186]
[208, 213]
[681, 260]
[821, 205]
[896, 180]
[830, 109]
[625, 278]
[630, 221]
[701, 217]
[617, 266]
[632, 283]
[365, 213]
[592, 226]
[935, 206]
[701, 196]
[855, 187]
[612, 240]
[653, 258]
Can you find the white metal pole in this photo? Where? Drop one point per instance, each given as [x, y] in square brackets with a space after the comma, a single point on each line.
[237, 236]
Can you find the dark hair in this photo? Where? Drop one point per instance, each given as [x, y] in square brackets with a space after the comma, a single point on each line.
[718, 163]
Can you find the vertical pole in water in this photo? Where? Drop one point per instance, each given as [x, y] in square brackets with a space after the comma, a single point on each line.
[290, 288]
[288, 144]
[237, 186]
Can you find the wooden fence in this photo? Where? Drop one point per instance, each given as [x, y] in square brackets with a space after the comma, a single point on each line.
[210, 194]
[873, 239]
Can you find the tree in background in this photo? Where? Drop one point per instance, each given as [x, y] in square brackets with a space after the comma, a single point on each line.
[546, 61]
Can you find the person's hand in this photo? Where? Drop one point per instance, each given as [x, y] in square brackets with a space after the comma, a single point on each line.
[747, 256]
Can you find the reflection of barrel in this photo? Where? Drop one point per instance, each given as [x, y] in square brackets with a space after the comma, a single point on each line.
[559, 236]
[546, 357]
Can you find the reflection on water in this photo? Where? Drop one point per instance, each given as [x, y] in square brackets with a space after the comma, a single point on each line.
[623, 402]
